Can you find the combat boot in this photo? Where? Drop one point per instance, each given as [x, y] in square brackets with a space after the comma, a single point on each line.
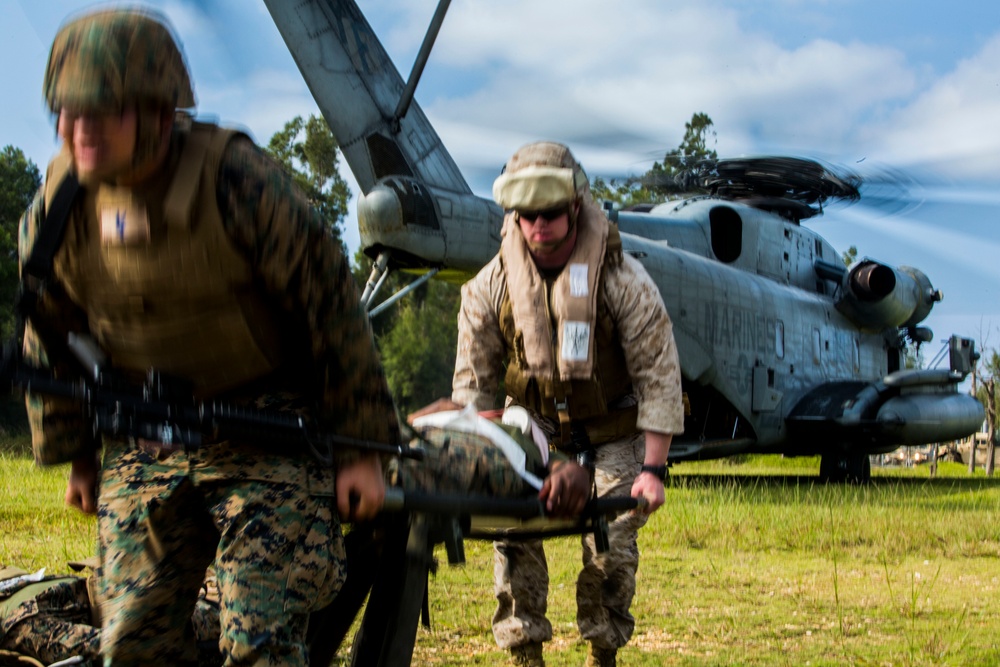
[527, 655]
[598, 656]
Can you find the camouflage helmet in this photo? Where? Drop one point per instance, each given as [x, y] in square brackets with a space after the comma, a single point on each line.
[540, 175]
[107, 59]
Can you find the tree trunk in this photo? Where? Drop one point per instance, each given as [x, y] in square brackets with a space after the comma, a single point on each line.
[972, 446]
[991, 422]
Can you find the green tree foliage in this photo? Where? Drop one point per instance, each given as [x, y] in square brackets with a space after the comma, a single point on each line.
[418, 351]
[417, 337]
[628, 193]
[850, 255]
[665, 179]
[19, 181]
[309, 151]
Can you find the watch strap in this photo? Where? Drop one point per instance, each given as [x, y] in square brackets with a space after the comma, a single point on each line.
[660, 472]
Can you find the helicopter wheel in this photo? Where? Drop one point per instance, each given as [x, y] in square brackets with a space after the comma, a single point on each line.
[839, 467]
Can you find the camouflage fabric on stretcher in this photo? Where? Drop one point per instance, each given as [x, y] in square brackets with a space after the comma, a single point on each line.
[47, 621]
[465, 463]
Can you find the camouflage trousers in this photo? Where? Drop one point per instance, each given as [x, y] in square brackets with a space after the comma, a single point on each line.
[267, 522]
[605, 585]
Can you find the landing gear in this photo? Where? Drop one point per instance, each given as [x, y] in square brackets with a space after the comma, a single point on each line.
[841, 467]
[380, 272]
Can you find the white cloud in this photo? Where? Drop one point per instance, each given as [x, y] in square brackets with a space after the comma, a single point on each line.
[953, 123]
[263, 101]
[625, 82]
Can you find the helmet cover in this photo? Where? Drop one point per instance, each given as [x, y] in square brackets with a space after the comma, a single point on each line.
[540, 175]
[104, 60]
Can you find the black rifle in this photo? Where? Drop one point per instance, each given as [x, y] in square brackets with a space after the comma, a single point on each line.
[163, 409]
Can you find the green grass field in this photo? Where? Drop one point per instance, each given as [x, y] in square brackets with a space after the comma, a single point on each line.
[747, 564]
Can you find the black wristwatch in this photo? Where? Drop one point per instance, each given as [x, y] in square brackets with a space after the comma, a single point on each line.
[660, 472]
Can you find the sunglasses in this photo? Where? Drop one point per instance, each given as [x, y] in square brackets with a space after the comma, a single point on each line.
[548, 214]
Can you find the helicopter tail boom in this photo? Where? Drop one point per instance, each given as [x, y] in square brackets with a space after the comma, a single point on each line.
[380, 132]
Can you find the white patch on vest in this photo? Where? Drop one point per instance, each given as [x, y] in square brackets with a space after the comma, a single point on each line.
[124, 223]
[576, 341]
[578, 283]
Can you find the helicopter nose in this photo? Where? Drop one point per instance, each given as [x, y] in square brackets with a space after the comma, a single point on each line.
[379, 212]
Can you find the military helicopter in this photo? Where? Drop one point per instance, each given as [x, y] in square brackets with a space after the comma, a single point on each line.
[783, 349]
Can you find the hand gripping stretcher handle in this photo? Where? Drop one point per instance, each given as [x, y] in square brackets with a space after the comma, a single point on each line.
[594, 517]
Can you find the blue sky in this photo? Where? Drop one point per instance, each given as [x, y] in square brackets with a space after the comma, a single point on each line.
[909, 87]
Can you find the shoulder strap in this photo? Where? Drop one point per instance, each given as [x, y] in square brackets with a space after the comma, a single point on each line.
[177, 204]
[37, 270]
[202, 141]
[53, 228]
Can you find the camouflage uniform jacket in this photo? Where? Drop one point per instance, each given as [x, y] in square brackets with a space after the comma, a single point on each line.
[298, 266]
[644, 331]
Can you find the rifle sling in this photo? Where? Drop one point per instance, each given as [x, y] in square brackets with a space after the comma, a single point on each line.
[52, 230]
[37, 269]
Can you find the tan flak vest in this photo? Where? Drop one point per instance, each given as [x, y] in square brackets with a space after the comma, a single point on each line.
[575, 404]
[181, 300]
